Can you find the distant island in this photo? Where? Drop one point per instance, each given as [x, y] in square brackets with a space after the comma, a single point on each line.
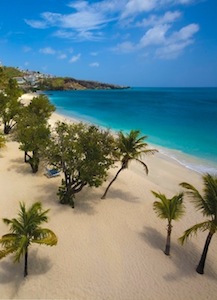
[34, 81]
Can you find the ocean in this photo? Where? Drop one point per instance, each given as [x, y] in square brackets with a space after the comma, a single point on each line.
[180, 122]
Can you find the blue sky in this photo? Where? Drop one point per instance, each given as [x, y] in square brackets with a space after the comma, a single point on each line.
[152, 43]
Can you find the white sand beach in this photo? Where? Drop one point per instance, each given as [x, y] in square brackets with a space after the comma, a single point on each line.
[108, 249]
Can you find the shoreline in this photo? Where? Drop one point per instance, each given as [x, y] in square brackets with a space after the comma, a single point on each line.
[198, 162]
[108, 249]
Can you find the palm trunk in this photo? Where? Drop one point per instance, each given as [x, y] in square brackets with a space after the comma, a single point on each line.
[200, 267]
[106, 191]
[167, 248]
[26, 263]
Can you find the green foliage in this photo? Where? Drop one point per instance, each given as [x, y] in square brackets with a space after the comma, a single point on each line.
[207, 205]
[170, 209]
[130, 147]
[11, 72]
[33, 136]
[41, 107]
[33, 131]
[56, 83]
[84, 153]
[26, 230]
[10, 106]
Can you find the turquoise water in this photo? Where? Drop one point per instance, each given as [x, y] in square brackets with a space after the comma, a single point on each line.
[181, 120]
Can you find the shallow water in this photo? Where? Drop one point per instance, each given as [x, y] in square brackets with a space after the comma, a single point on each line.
[182, 121]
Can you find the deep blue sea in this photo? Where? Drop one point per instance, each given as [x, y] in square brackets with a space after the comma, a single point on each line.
[182, 122]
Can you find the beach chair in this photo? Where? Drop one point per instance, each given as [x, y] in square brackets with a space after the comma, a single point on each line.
[52, 172]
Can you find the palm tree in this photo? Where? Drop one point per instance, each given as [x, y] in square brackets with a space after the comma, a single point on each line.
[24, 231]
[130, 147]
[170, 209]
[207, 204]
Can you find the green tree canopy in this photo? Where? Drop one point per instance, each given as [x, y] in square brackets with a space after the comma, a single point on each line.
[10, 106]
[33, 136]
[207, 204]
[33, 130]
[84, 153]
[24, 231]
[41, 107]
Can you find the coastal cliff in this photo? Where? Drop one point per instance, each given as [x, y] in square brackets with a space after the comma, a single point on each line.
[33, 81]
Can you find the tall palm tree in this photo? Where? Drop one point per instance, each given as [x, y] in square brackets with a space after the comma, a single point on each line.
[130, 147]
[24, 231]
[207, 204]
[170, 209]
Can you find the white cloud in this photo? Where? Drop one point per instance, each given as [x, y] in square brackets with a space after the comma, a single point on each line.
[94, 64]
[125, 47]
[169, 46]
[88, 19]
[62, 56]
[36, 24]
[186, 32]
[168, 18]
[47, 50]
[137, 6]
[75, 58]
[154, 36]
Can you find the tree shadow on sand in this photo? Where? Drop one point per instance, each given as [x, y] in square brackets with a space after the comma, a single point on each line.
[185, 258]
[12, 273]
[20, 167]
[84, 201]
[123, 195]
[154, 238]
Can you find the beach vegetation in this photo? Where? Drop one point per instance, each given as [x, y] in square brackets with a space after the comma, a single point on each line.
[10, 106]
[130, 147]
[25, 231]
[170, 209]
[207, 205]
[41, 107]
[33, 130]
[84, 153]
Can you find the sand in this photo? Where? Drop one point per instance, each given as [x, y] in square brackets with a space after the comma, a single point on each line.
[107, 249]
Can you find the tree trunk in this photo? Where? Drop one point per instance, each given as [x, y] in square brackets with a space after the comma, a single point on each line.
[7, 128]
[106, 191]
[200, 267]
[34, 162]
[167, 248]
[65, 192]
[26, 263]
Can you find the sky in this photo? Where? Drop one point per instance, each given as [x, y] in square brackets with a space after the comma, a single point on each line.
[140, 43]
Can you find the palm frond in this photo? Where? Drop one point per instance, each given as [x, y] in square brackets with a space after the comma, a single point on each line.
[144, 165]
[21, 248]
[15, 225]
[210, 193]
[196, 198]
[194, 229]
[207, 204]
[171, 209]
[161, 207]
[6, 252]
[44, 236]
